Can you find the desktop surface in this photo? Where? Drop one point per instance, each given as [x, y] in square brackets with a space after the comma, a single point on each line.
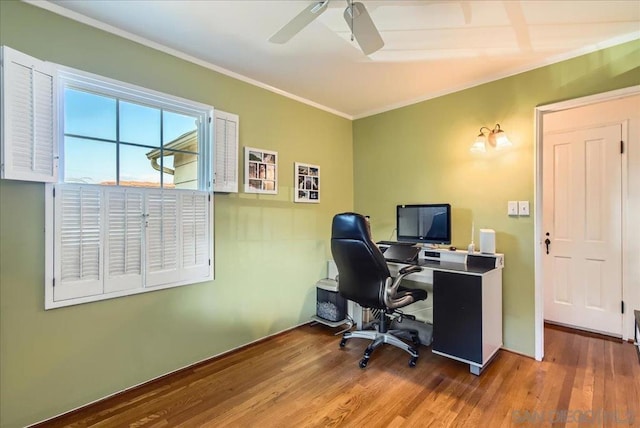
[449, 266]
[454, 267]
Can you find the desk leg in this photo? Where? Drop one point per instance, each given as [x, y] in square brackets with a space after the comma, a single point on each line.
[475, 369]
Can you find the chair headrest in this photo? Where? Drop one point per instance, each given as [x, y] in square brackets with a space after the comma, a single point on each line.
[350, 226]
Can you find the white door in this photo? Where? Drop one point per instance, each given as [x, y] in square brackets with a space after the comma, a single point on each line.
[582, 227]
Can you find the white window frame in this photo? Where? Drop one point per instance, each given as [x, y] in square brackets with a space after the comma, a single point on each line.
[83, 81]
[41, 88]
[148, 280]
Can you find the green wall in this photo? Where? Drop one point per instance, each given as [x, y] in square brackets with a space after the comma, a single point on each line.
[421, 153]
[269, 251]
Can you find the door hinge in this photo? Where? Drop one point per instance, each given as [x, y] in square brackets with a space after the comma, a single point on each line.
[209, 119]
[54, 282]
[622, 306]
[621, 146]
[54, 192]
[209, 262]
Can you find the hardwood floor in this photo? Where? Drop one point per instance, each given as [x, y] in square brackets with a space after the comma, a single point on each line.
[302, 379]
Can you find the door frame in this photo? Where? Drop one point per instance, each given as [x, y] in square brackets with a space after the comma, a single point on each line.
[539, 114]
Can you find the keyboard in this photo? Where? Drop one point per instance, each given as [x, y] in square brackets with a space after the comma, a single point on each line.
[395, 243]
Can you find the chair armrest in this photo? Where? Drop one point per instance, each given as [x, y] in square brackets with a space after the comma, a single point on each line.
[409, 269]
[391, 288]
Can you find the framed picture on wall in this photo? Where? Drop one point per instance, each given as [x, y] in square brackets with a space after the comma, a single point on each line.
[307, 181]
[260, 171]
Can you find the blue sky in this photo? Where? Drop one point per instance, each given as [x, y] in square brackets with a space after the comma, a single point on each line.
[95, 116]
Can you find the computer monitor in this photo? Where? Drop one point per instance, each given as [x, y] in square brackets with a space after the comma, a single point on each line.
[425, 223]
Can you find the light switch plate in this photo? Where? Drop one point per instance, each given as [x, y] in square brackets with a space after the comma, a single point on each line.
[523, 208]
[512, 208]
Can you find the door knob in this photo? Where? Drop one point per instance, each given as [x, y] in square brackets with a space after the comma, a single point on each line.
[547, 242]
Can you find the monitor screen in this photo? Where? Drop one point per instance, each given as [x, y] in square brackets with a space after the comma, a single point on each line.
[428, 223]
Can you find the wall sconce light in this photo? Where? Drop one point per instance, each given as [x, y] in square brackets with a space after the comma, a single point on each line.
[496, 138]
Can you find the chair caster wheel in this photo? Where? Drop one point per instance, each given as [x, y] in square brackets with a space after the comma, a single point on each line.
[412, 361]
[363, 363]
[343, 342]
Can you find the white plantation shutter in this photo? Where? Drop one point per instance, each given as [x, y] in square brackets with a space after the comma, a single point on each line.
[194, 207]
[114, 241]
[123, 239]
[162, 238]
[29, 147]
[78, 217]
[226, 152]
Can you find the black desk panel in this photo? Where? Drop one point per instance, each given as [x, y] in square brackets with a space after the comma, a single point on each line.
[457, 315]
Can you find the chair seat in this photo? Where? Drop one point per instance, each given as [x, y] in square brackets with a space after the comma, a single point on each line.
[416, 293]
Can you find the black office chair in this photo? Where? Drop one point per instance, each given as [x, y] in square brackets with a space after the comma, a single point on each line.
[363, 277]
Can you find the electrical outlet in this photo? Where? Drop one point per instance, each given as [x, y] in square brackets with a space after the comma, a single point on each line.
[512, 208]
[523, 208]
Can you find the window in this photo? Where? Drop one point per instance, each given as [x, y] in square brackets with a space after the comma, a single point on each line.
[129, 206]
[117, 134]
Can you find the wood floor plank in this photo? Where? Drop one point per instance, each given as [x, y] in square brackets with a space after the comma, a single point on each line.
[302, 378]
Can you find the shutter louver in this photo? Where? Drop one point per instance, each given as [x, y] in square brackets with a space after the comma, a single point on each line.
[123, 239]
[29, 150]
[22, 132]
[195, 235]
[43, 156]
[230, 157]
[226, 152]
[162, 238]
[78, 225]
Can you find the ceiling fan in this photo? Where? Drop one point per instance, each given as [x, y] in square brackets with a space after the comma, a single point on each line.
[356, 15]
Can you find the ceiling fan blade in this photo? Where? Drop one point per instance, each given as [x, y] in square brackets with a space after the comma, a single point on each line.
[300, 21]
[363, 28]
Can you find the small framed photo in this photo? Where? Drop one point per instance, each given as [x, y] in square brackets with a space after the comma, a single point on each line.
[260, 171]
[307, 180]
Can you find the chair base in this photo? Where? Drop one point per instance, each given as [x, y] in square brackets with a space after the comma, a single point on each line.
[378, 338]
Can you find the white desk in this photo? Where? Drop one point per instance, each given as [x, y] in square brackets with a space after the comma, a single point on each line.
[467, 304]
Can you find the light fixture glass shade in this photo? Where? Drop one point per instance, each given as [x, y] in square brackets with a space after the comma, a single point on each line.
[480, 145]
[502, 142]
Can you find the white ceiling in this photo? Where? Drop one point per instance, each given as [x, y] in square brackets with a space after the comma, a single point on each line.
[431, 47]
